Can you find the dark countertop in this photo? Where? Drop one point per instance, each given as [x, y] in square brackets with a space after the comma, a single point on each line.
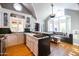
[32, 35]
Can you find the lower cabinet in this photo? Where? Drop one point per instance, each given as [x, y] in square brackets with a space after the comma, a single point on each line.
[35, 47]
[14, 39]
[2, 46]
[39, 47]
[32, 44]
[10, 40]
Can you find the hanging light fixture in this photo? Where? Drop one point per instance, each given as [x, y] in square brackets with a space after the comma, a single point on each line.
[52, 15]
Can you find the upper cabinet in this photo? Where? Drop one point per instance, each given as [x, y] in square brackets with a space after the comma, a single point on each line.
[4, 19]
[0, 19]
[30, 23]
[16, 20]
[27, 22]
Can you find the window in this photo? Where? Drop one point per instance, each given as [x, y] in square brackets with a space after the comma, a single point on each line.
[50, 26]
[60, 24]
[56, 25]
[63, 27]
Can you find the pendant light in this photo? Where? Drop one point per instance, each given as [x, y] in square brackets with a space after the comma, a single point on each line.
[52, 15]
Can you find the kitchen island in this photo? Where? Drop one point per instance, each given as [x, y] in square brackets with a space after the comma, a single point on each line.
[38, 44]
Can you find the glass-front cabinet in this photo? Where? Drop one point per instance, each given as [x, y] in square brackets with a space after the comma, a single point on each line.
[27, 25]
[0, 19]
[5, 19]
[4, 16]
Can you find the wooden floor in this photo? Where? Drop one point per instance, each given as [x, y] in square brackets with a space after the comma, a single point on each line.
[62, 49]
[18, 50]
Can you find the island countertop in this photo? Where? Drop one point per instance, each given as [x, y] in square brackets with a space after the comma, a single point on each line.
[32, 35]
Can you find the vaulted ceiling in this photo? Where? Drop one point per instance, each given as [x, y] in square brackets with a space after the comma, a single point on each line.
[42, 10]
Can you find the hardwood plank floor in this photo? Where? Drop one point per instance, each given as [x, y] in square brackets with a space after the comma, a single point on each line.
[62, 49]
[18, 50]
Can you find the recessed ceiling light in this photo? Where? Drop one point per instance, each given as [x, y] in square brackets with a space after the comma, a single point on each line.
[17, 6]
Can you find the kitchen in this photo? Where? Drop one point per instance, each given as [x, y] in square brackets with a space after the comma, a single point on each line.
[19, 26]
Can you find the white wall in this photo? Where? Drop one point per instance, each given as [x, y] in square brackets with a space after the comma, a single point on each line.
[0, 6]
[74, 24]
[74, 18]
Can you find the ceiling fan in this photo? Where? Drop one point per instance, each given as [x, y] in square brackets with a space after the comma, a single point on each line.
[52, 15]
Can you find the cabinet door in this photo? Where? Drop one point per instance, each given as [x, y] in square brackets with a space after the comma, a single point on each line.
[2, 47]
[11, 40]
[5, 17]
[31, 43]
[35, 47]
[32, 24]
[20, 38]
[0, 19]
[27, 22]
[28, 41]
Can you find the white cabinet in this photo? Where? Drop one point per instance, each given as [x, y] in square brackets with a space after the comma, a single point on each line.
[0, 19]
[2, 46]
[76, 37]
[30, 23]
[4, 19]
[14, 39]
[11, 40]
[32, 44]
[35, 47]
[20, 38]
